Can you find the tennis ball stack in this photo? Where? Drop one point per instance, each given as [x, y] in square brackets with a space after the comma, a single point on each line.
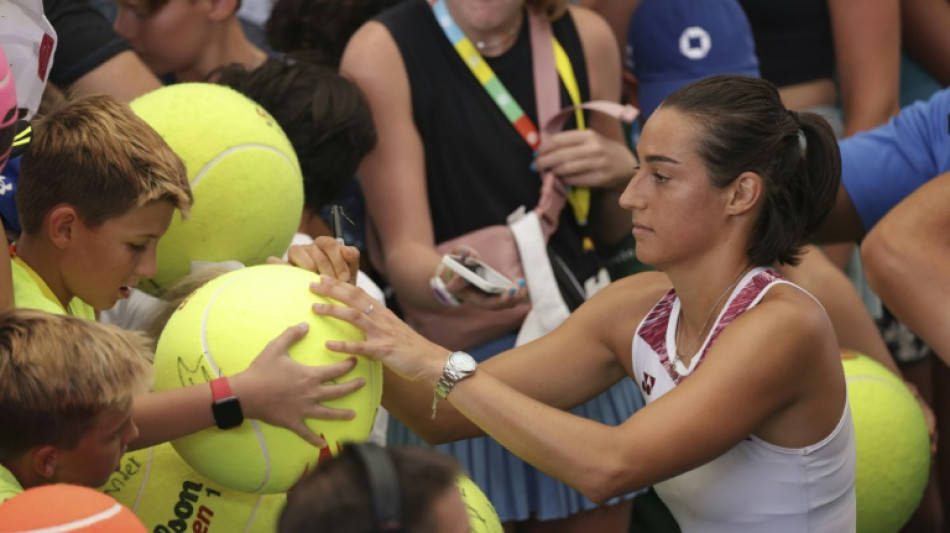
[244, 175]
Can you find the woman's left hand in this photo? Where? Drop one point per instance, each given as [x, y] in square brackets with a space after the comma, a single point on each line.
[388, 339]
[585, 158]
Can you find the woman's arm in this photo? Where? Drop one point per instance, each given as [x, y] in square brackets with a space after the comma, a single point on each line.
[392, 176]
[906, 257]
[793, 397]
[867, 55]
[926, 39]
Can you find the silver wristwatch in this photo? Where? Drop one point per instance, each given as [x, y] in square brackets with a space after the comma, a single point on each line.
[458, 366]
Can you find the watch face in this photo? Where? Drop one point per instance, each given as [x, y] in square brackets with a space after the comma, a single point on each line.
[463, 362]
[227, 413]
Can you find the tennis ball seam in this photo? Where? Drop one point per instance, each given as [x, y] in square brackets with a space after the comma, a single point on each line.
[206, 350]
[210, 164]
[148, 472]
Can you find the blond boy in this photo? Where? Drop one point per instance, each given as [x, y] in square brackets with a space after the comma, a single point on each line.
[98, 188]
[66, 392]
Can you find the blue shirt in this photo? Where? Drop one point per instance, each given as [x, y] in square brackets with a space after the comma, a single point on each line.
[881, 167]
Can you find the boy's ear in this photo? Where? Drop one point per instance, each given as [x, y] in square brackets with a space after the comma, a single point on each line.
[61, 225]
[45, 460]
[221, 10]
[744, 193]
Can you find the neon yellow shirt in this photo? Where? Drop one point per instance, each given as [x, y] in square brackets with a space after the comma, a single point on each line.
[9, 486]
[31, 292]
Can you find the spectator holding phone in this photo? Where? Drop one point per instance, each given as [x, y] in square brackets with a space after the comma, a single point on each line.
[443, 143]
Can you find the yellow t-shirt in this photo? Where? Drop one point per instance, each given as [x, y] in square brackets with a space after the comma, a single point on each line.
[31, 292]
[9, 486]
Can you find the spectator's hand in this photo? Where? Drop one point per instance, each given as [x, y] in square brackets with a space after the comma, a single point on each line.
[584, 158]
[283, 392]
[468, 294]
[326, 257]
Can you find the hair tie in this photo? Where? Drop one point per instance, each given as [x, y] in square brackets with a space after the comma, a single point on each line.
[795, 117]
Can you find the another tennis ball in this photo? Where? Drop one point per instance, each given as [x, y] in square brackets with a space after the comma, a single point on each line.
[481, 514]
[244, 175]
[65, 508]
[893, 446]
[217, 331]
[167, 495]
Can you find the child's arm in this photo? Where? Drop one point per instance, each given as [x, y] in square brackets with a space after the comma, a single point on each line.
[274, 389]
[6, 274]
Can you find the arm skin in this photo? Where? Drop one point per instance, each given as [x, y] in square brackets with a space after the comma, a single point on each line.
[926, 39]
[867, 55]
[906, 256]
[794, 400]
[123, 76]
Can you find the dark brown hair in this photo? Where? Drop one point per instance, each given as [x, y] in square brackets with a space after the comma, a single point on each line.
[336, 497]
[746, 128]
[324, 115]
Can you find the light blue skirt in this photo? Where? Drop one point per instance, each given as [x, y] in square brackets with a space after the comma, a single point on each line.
[516, 489]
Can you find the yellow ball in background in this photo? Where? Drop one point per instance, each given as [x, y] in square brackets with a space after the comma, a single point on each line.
[893, 445]
[217, 331]
[244, 175]
[481, 514]
[167, 495]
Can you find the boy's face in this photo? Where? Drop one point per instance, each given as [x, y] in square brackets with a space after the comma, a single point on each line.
[99, 450]
[168, 40]
[103, 264]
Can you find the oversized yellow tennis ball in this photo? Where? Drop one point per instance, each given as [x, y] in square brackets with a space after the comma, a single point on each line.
[244, 175]
[893, 446]
[482, 516]
[218, 330]
[168, 496]
[66, 508]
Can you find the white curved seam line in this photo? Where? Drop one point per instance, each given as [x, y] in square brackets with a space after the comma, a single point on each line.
[217, 372]
[250, 519]
[81, 523]
[148, 472]
[210, 164]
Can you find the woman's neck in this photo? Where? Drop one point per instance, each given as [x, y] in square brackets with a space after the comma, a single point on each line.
[494, 40]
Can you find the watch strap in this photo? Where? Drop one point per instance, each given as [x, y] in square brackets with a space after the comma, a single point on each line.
[220, 389]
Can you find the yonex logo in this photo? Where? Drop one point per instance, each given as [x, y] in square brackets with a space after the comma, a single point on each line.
[695, 43]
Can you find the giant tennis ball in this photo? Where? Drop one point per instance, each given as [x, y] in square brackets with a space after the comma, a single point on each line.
[482, 517]
[218, 330]
[893, 446]
[243, 172]
[167, 495]
[66, 508]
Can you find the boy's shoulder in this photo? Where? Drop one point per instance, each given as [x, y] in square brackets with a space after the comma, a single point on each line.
[9, 485]
[31, 292]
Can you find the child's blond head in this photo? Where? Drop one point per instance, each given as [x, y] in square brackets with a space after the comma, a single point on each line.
[58, 373]
[95, 154]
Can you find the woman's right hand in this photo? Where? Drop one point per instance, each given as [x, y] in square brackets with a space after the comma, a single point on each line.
[282, 392]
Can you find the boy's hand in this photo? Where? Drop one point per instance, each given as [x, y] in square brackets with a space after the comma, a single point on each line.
[283, 392]
[327, 257]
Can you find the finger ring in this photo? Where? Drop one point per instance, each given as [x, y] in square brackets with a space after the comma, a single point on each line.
[369, 309]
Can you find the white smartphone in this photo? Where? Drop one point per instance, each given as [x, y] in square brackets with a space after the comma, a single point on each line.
[482, 276]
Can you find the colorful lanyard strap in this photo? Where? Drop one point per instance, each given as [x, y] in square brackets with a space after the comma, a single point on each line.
[578, 197]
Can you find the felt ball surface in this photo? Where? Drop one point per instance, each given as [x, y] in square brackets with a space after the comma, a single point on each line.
[893, 445]
[217, 331]
[66, 509]
[244, 175]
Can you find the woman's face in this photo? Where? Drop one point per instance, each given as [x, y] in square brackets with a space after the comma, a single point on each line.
[677, 212]
[170, 39]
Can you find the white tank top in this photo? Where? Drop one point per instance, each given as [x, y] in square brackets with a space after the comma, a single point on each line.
[755, 486]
